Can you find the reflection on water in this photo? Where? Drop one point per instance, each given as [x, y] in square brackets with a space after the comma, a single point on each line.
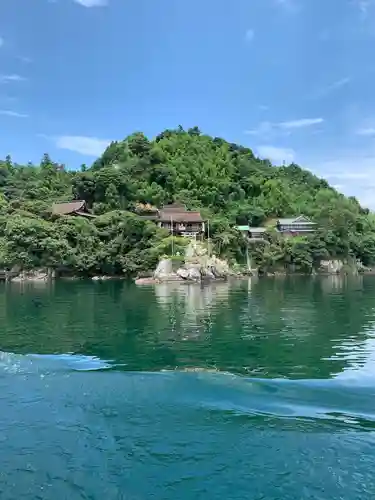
[337, 283]
[359, 359]
[289, 327]
[189, 306]
[255, 389]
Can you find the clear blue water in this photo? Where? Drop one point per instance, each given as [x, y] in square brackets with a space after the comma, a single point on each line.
[252, 390]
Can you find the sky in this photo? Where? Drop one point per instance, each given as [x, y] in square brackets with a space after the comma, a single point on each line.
[292, 79]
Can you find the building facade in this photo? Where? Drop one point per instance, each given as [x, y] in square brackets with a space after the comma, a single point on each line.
[180, 221]
[253, 233]
[74, 208]
[300, 225]
[293, 226]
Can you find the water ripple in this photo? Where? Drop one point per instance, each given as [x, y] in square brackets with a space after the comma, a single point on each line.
[50, 363]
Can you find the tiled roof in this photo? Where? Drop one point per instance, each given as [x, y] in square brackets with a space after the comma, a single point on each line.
[294, 221]
[68, 208]
[166, 216]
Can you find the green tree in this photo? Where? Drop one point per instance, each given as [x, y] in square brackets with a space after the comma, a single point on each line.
[225, 181]
[112, 197]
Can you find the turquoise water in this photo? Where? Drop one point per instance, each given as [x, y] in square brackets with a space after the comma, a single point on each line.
[251, 390]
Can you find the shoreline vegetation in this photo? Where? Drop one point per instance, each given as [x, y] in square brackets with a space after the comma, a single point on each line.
[225, 182]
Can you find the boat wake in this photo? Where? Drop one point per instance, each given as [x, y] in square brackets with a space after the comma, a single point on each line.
[49, 363]
[336, 401]
[329, 400]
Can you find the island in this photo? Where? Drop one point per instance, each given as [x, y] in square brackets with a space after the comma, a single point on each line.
[144, 200]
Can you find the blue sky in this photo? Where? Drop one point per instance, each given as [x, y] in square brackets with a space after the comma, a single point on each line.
[292, 79]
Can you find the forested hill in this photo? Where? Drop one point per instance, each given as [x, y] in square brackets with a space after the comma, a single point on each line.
[225, 181]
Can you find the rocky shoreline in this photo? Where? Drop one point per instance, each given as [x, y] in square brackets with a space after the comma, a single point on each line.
[197, 266]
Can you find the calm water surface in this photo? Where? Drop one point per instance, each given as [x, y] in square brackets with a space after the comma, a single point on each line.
[252, 390]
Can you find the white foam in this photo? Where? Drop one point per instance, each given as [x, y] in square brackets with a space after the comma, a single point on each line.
[42, 363]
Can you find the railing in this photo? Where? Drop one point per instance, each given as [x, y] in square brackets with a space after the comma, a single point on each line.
[182, 228]
[291, 228]
[189, 234]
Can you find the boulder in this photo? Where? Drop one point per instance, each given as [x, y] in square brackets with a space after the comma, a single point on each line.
[208, 274]
[334, 266]
[37, 275]
[219, 268]
[189, 273]
[183, 273]
[198, 265]
[164, 269]
[194, 274]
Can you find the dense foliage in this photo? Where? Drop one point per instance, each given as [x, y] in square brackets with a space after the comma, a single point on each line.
[225, 181]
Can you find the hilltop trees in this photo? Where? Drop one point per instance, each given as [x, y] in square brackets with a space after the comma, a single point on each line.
[225, 181]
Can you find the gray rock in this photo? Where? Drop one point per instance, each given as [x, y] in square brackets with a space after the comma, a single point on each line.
[191, 273]
[332, 266]
[198, 265]
[194, 274]
[208, 274]
[164, 269]
[37, 275]
[146, 281]
[182, 273]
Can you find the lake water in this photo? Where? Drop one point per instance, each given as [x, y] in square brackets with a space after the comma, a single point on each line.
[251, 390]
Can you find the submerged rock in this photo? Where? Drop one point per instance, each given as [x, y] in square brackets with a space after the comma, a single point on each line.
[37, 275]
[146, 281]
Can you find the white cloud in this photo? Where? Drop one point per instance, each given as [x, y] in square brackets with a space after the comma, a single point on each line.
[249, 35]
[370, 131]
[14, 114]
[1, 41]
[276, 154]
[90, 146]
[339, 83]
[92, 3]
[301, 123]
[267, 128]
[11, 78]
[342, 82]
[351, 172]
